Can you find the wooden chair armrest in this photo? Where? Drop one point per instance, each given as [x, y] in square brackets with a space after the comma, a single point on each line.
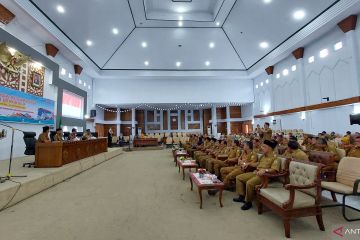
[264, 183]
[356, 187]
[276, 175]
[295, 187]
[329, 175]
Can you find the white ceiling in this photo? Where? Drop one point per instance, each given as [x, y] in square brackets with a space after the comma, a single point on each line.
[243, 24]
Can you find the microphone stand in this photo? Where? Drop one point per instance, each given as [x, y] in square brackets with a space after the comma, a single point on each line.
[9, 175]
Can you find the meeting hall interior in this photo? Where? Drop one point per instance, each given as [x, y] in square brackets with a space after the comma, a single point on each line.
[179, 119]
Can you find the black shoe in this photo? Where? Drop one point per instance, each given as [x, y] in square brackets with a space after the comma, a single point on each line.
[239, 199]
[246, 206]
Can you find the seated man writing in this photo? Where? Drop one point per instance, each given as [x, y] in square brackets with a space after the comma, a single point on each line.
[246, 182]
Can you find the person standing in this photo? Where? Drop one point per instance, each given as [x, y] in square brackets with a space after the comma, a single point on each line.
[110, 135]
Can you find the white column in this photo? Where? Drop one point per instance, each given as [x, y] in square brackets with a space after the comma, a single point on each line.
[228, 126]
[168, 120]
[118, 120]
[133, 122]
[145, 121]
[179, 120]
[213, 121]
[202, 122]
[186, 120]
[161, 121]
[353, 48]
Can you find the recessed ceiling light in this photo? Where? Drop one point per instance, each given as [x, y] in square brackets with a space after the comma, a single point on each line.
[299, 14]
[311, 59]
[80, 82]
[146, 63]
[278, 75]
[63, 71]
[338, 46]
[60, 9]
[89, 87]
[264, 45]
[211, 45]
[267, 1]
[89, 43]
[257, 86]
[207, 63]
[285, 72]
[178, 64]
[144, 44]
[180, 24]
[217, 23]
[84, 84]
[324, 53]
[70, 75]
[261, 84]
[267, 81]
[293, 68]
[181, 18]
[115, 31]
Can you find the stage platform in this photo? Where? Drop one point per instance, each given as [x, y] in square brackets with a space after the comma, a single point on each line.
[39, 179]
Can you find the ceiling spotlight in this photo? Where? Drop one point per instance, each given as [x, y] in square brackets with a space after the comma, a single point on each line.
[70, 75]
[178, 64]
[181, 18]
[146, 63]
[89, 43]
[84, 84]
[261, 84]
[299, 14]
[144, 44]
[324, 53]
[267, 1]
[180, 24]
[337, 46]
[115, 31]
[278, 75]
[293, 68]
[257, 86]
[89, 87]
[60, 9]
[211, 45]
[267, 81]
[264, 45]
[285, 72]
[217, 23]
[80, 82]
[207, 63]
[63, 71]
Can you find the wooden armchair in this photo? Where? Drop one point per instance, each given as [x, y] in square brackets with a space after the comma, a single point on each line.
[328, 170]
[300, 198]
[346, 183]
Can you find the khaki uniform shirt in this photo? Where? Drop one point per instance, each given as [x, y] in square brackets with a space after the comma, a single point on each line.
[87, 136]
[267, 134]
[58, 138]
[43, 137]
[298, 154]
[233, 152]
[269, 161]
[354, 152]
[248, 157]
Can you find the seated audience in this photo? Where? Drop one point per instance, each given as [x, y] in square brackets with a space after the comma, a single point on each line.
[246, 182]
[73, 134]
[87, 135]
[354, 151]
[294, 151]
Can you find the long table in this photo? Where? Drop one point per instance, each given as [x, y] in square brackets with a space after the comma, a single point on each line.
[57, 154]
[141, 142]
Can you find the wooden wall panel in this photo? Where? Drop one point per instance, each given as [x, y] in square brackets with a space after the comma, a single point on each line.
[196, 115]
[206, 119]
[194, 126]
[125, 130]
[235, 112]
[236, 127]
[150, 116]
[182, 119]
[247, 127]
[222, 127]
[140, 118]
[165, 120]
[110, 116]
[5, 15]
[107, 127]
[174, 123]
[125, 116]
[99, 128]
[221, 113]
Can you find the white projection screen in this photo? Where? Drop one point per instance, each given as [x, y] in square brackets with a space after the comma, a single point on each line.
[72, 105]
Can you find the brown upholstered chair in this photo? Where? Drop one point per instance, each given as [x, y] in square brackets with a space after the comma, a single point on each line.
[300, 198]
[346, 183]
[328, 171]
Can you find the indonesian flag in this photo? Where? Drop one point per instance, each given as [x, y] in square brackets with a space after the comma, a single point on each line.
[72, 105]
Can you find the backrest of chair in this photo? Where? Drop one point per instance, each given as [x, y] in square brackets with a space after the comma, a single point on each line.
[348, 171]
[301, 173]
[325, 158]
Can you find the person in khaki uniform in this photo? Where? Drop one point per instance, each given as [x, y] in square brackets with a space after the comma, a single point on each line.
[246, 182]
[59, 135]
[202, 149]
[247, 158]
[266, 132]
[294, 151]
[354, 151]
[222, 150]
[257, 146]
[44, 136]
[87, 135]
[207, 153]
[232, 157]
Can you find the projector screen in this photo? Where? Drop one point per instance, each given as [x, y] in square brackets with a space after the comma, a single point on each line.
[72, 105]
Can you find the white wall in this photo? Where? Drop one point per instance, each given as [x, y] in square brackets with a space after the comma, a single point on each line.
[172, 90]
[333, 76]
